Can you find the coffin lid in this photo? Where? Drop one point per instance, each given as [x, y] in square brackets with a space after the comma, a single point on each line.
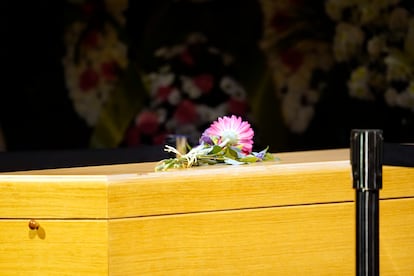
[136, 190]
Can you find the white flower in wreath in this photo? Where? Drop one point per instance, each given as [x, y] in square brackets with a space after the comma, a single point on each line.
[208, 113]
[376, 46]
[175, 97]
[347, 41]
[296, 115]
[403, 99]
[233, 88]
[190, 88]
[299, 100]
[161, 86]
[358, 85]
[398, 67]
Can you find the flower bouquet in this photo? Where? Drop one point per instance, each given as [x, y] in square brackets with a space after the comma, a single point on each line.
[228, 140]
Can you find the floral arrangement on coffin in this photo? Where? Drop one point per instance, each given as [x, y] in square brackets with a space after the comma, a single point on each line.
[376, 39]
[228, 140]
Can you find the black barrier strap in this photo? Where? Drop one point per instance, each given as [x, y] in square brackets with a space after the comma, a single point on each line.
[399, 155]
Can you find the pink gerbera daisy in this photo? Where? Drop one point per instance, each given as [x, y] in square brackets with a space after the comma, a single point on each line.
[232, 131]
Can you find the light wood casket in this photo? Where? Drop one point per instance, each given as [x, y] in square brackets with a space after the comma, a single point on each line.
[295, 216]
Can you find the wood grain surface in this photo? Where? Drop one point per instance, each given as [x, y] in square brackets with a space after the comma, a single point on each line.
[294, 216]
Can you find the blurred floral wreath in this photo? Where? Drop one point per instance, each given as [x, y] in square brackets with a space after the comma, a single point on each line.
[377, 41]
[96, 55]
[298, 55]
[373, 40]
[104, 86]
[191, 84]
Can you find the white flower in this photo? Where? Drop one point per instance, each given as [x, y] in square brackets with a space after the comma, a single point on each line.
[390, 96]
[369, 12]
[174, 97]
[168, 53]
[207, 113]
[347, 41]
[296, 115]
[358, 84]
[231, 87]
[190, 87]
[397, 67]
[162, 115]
[376, 46]
[89, 107]
[160, 80]
[403, 99]
[303, 118]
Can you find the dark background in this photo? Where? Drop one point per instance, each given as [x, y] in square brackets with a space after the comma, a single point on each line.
[36, 113]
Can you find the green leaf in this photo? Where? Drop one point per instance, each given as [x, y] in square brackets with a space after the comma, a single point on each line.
[270, 157]
[207, 162]
[231, 153]
[232, 161]
[249, 159]
[238, 151]
[216, 149]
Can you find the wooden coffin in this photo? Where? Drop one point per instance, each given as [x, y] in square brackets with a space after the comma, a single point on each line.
[295, 216]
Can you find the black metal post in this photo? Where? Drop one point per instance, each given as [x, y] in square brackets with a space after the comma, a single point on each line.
[366, 159]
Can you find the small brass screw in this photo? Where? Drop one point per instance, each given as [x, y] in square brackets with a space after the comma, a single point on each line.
[33, 224]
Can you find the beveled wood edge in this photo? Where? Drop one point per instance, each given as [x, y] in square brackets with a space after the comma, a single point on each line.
[149, 167]
[146, 192]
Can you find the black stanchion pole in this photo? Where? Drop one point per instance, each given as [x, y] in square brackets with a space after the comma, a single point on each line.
[366, 159]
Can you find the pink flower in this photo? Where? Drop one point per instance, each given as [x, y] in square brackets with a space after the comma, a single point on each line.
[293, 59]
[88, 79]
[160, 138]
[187, 58]
[147, 122]
[109, 70]
[231, 131]
[186, 112]
[163, 92]
[205, 82]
